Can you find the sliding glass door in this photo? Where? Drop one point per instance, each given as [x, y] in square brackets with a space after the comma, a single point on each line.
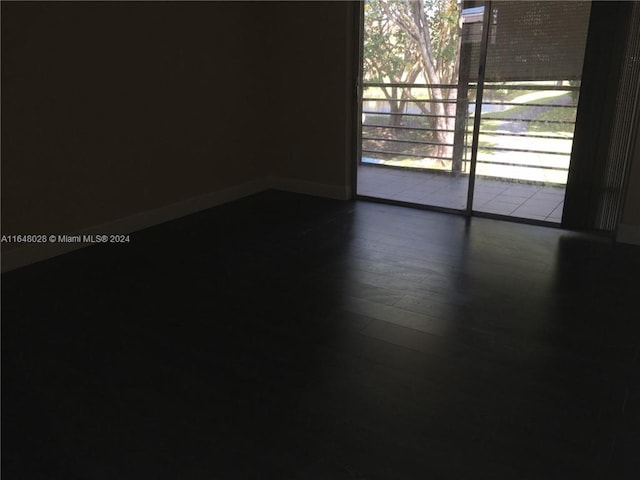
[471, 106]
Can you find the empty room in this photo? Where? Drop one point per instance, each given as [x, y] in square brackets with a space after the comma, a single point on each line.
[320, 240]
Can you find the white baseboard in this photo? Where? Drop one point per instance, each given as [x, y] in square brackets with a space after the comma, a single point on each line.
[628, 234]
[310, 188]
[31, 253]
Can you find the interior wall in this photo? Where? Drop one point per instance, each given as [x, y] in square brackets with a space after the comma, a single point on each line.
[114, 108]
[315, 71]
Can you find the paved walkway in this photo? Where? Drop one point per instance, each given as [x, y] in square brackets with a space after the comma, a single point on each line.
[437, 189]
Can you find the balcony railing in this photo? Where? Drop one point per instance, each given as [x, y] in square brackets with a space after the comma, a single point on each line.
[526, 130]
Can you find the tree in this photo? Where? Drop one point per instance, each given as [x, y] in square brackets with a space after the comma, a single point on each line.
[389, 57]
[430, 31]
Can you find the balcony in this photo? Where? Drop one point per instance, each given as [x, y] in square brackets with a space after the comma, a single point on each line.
[414, 152]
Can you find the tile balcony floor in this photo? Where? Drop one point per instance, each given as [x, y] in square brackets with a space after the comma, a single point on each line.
[502, 197]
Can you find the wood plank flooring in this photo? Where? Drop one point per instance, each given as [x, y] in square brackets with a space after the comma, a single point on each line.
[290, 337]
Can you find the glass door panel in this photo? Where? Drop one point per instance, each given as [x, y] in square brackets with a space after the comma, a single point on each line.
[416, 97]
[535, 51]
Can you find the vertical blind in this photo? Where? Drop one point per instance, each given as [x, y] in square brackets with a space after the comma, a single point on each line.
[619, 154]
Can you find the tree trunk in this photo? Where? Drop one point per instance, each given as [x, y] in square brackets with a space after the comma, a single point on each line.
[412, 19]
[396, 109]
[445, 120]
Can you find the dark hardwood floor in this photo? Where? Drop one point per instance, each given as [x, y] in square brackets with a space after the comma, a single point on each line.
[284, 336]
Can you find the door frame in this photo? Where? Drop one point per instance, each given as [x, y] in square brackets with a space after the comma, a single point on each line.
[468, 211]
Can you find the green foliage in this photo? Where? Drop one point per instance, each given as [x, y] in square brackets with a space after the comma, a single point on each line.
[388, 53]
[443, 18]
[391, 54]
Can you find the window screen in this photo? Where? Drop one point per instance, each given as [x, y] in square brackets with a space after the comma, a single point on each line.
[530, 41]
